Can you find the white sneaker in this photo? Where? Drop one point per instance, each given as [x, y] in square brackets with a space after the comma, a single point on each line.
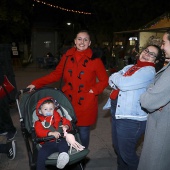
[63, 159]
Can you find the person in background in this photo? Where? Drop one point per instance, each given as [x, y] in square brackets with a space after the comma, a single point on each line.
[6, 124]
[128, 118]
[84, 77]
[156, 101]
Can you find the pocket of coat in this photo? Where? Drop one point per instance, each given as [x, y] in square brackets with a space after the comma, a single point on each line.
[89, 100]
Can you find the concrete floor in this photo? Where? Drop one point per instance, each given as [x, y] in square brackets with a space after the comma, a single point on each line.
[101, 156]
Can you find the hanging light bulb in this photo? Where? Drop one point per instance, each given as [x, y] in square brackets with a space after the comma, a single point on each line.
[64, 9]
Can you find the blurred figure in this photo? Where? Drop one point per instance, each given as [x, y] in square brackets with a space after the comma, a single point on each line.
[48, 61]
[6, 124]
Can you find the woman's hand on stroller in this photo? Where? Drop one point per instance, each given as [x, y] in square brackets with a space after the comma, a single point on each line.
[55, 134]
[31, 87]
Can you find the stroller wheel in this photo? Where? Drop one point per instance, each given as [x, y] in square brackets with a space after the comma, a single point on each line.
[33, 168]
[77, 166]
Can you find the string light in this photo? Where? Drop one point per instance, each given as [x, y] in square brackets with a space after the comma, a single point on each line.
[61, 8]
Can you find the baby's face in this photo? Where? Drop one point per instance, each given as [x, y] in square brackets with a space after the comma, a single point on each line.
[47, 109]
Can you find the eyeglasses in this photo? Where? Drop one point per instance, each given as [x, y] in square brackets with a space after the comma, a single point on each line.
[151, 54]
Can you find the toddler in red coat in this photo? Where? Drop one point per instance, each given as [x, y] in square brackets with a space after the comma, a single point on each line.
[48, 124]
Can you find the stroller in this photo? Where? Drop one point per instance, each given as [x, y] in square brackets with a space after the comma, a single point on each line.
[26, 103]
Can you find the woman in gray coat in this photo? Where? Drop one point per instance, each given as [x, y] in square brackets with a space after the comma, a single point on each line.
[156, 100]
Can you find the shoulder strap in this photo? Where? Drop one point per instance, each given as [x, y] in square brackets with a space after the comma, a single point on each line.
[63, 73]
[51, 128]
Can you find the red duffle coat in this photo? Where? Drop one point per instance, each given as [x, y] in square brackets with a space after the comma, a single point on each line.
[79, 77]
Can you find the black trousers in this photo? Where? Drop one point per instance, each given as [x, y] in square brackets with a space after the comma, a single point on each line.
[6, 123]
[47, 149]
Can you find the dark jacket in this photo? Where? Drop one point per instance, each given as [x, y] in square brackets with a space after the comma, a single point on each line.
[1, 74]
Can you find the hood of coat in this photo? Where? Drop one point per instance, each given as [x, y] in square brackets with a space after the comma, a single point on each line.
[40, 102]
[87, 53]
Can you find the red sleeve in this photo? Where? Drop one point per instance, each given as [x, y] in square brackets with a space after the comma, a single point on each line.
[40, 130]
[66, 122]
[102, 77]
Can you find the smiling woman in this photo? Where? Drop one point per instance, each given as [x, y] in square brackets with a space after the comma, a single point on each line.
[128, 118]
[82, 41]
[150, 53]
[79, 67]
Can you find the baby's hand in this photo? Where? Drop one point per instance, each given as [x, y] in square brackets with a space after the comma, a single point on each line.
[64, 127]
[55, 134]
[91, 91]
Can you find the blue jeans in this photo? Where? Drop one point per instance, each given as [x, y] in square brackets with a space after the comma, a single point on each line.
[84, 132]
[125, 135]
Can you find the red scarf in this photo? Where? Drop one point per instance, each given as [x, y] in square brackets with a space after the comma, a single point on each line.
[80, 54]
[129, 72]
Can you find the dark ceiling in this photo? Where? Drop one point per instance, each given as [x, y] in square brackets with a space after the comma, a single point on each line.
[117, 14]
[43, 12]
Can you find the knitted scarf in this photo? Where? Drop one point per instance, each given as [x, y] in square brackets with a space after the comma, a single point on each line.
[129, 72]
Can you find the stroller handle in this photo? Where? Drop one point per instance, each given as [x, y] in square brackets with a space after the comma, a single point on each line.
[48, 138]
[37, 140]
[21, 92]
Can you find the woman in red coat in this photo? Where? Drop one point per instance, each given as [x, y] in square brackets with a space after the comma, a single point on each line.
[84, 77]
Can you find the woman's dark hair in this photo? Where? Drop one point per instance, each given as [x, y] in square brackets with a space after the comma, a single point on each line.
[160, 59]
[80, 31]
[168, 32]
[160, 52]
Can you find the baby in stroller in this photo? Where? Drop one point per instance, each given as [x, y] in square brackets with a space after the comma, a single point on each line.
[35, 135]
[49, 124]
